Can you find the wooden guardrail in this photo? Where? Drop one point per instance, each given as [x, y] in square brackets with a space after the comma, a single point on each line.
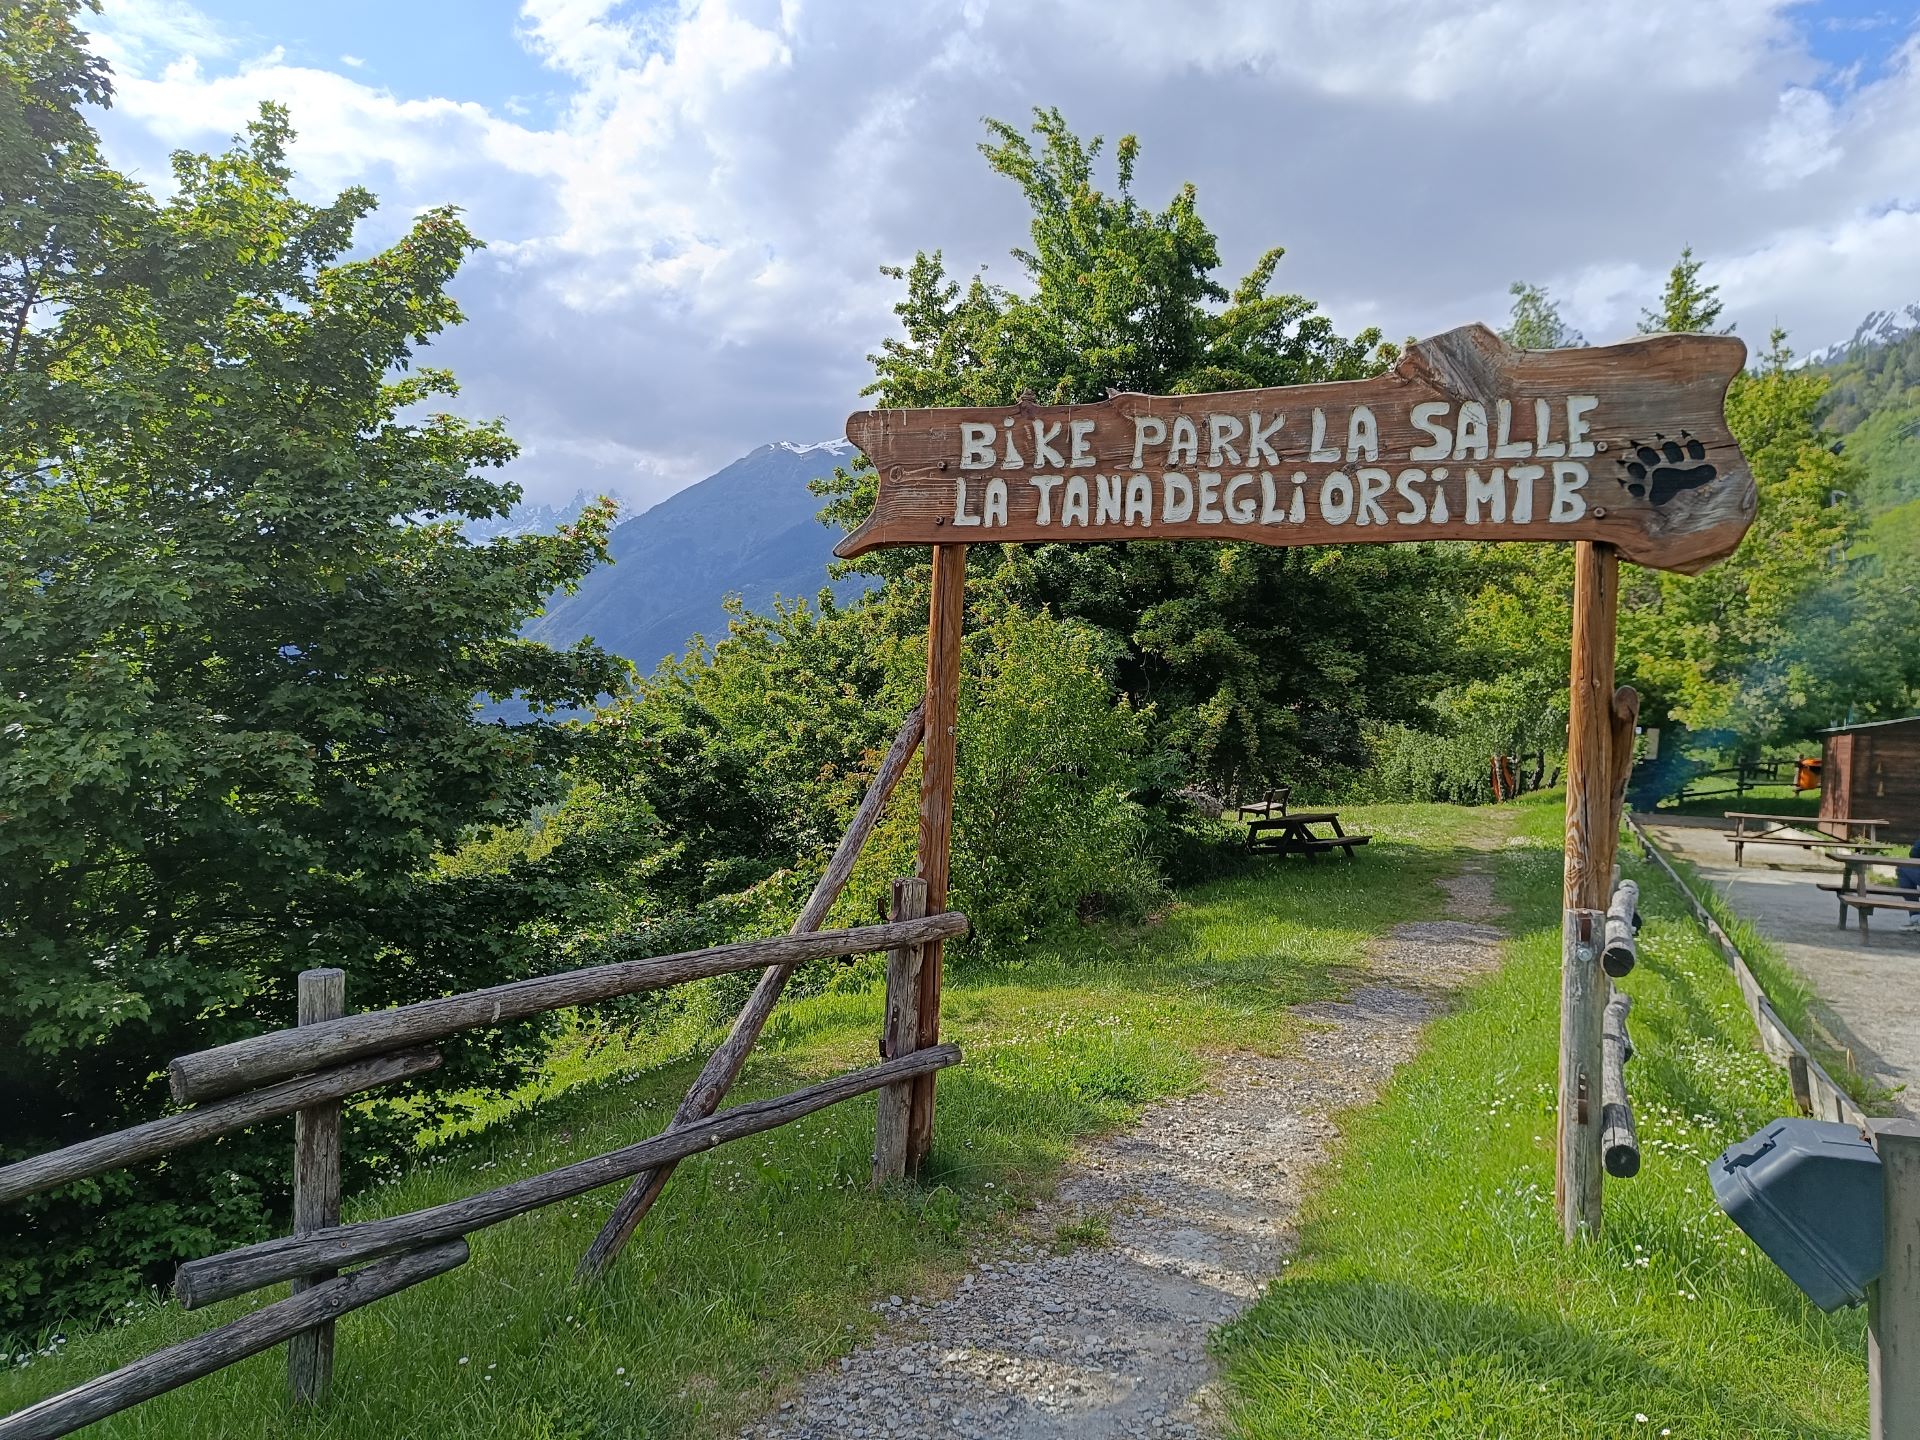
[1814, 1090]
[309, 1069]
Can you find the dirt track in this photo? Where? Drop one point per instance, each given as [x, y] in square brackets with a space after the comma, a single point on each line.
[1198, 1201]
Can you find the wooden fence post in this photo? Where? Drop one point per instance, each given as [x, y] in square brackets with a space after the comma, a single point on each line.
[1592, 830]
[900, 1035]
[1893, 1302]
[945, 618]
[316, 1191]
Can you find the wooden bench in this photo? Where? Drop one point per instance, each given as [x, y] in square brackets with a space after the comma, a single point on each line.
[1869, 902]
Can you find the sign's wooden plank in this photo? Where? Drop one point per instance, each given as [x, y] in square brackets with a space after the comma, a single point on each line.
[1466, 438]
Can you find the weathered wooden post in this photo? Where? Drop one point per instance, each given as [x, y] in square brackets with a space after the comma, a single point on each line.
[1893, 1302]
[316, 1190]
[1591, 834]
[899, 1035]
[946, 616]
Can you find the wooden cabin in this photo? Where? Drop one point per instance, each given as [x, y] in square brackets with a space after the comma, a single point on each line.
[1872, 772]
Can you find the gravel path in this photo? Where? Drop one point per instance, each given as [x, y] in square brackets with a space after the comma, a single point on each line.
[1110, 1339]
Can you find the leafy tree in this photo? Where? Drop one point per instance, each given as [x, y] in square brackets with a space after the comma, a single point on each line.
[1255, 663]
[1710, 651]
[1535, 323]
[1686, 306]
[240, 638]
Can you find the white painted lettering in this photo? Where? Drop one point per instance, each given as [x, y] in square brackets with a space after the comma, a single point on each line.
[1043, 452]
[1543, 427]
[1491, 492]
[1271, 510]
[1073, 502]
[1107, 509]
[1147, 430]
[1374, 482]
[1523, 477]
[1140, 500]
[1241, 512]
[1318, 449]
[960, 515]
[1578, 408]
[1427, 416]
[1569, 479]
[1176, 498]
[1505, 447]
[1416, 510]
[1209, 510]
[1260, 439]
[1082, 453]
[1222, 431]
[1440, 514]
[1044, 484]
[1184, 448]
[1297, 512]
[1470, 436]
[1010, 458]
[976, 445]
[1363, 436]
[994, 511]
[1336, 498]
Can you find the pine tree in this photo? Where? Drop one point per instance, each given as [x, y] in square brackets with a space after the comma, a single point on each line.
[1686, 306]
[1535, 322]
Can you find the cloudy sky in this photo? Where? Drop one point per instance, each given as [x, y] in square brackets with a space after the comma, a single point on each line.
[687, 204]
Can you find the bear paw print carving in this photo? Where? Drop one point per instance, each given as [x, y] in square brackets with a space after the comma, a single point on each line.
[1661, 469]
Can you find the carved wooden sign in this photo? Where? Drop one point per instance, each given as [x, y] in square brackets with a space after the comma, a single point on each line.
[1465, 438]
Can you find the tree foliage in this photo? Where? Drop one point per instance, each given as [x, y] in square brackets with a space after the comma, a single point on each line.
[240, 638]
[1254, 663]
[1535, 323]
[1687, 306]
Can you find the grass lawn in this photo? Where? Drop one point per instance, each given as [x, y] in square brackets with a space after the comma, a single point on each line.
[1431, 1295]
[1794, 999]
[764, 1258]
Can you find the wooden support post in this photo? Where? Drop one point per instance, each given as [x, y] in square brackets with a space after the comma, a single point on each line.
[945, 618]
[316, 1191]
[900, 1035]
[1626, 719]
[1592, 830]
[1893, 1302]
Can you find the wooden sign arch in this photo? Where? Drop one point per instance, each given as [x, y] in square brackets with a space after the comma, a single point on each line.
[1623, 450]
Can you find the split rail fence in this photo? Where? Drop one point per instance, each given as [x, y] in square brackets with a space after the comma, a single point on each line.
[309, 1070]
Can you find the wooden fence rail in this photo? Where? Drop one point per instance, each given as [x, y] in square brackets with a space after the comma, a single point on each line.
[280, 1053]
[308, 1070]
[264, 1328]
[1619, 1141]
[173, 1132]
[201, 1282]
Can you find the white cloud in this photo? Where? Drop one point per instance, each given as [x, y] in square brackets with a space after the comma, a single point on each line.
[685, 260]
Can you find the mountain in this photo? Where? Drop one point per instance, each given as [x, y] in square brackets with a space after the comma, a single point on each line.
[1873, 405]
[528, 519]
[750, 530]
[1881, 327]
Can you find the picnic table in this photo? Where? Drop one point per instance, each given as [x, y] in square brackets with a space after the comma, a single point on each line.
[1294, 834]
[1856, 890]
[1751, 829]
